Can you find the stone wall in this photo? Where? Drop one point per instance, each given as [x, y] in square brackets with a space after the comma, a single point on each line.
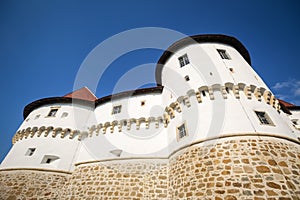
[250, 168]
[31, 184]
[229, 168]
[137, 179]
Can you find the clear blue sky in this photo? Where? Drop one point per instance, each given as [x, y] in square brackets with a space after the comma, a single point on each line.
[43, 43]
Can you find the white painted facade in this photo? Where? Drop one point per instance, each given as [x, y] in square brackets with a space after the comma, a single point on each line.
[212, 96]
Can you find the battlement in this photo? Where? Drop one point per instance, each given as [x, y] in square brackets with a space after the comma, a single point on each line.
[250, 92]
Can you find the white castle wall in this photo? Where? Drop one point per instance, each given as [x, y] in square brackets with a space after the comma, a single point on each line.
[131, 137]
[49, 138]
[219, 112]
[220, 98]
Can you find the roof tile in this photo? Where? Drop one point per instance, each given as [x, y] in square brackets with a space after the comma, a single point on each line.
[82, 93]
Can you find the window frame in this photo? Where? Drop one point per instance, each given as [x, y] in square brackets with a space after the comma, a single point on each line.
[224, 54]
[113, 112]
[178, 131]
[30, 151]
[51, 110]
[49, 159]
[264, 119]
[183, 60]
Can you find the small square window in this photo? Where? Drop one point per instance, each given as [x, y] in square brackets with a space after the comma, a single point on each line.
[30, 152]
[223, 54]
[181, 131]
[47, 159]
[264, 118]
[116, 109]
[52, 112]
[183, 60]
[143, 103]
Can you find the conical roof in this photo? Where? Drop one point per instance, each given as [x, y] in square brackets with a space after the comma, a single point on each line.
[82, 93]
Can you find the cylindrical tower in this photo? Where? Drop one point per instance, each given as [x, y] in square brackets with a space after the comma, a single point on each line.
[228, 137]
[49, 137]
[211, 129]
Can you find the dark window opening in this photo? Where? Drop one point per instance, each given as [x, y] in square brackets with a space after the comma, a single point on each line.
[30, 152]
[183, 60]
[47, 159]
[223, 54]
[116, 109]
[263, 118]
[181, 131]
[52, 112]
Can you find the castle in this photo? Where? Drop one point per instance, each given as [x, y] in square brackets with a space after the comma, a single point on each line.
[211, 129]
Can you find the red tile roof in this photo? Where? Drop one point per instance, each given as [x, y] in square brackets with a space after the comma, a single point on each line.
[286, 104]
[83, 93]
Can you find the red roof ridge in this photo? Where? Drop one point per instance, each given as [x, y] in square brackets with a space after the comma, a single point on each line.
[286, 104]
[83, 93]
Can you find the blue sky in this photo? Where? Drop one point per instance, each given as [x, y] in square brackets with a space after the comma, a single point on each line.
[43, 43]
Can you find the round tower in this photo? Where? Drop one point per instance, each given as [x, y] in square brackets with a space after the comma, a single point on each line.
[49, 136]
[228, 137]
[210, 129]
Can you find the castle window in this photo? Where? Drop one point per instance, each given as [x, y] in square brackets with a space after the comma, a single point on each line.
[30, 152]
[116, 109]
[52, 112]
[37, 116]
[264, 118]
[223, 54]
[181, 131]
[47, 159]
[65, 114]
[183, 60]
[143, 103]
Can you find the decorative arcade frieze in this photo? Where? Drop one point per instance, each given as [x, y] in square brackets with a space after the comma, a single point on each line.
[251, 92]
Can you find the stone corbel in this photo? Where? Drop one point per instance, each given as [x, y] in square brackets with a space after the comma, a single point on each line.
[186, 100]
[224, 92]
[198, 96]
[236, 91]
[257, 94]
[211, 93]
[247, 91]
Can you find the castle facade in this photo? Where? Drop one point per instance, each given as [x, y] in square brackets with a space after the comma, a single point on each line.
[211, 129]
